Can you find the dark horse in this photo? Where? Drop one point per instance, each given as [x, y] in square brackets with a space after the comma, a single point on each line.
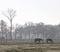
[39, 40]
[49, 40]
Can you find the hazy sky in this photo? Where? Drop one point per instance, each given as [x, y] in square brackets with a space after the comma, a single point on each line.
[47, 11]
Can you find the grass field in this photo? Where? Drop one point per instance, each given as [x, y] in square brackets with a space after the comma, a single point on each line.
[29, 47]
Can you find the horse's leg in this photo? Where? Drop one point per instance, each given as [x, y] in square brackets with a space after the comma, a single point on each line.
[47, 41]
[35, 40]
[51, 41]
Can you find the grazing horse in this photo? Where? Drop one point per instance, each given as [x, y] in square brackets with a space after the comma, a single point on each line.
[39, 40]
[49, 40]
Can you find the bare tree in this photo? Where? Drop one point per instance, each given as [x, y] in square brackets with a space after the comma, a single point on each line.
[10, 14]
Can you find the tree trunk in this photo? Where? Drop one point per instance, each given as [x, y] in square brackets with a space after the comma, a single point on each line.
[11, 29]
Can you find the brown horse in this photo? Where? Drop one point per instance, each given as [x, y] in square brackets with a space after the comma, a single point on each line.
[39, 40]
[49, 40]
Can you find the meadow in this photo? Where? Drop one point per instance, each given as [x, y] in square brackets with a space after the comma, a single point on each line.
[29, 47]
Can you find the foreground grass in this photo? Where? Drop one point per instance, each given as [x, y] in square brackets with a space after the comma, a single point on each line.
[28, 47]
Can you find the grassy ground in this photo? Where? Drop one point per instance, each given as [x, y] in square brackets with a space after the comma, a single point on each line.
[28, 47]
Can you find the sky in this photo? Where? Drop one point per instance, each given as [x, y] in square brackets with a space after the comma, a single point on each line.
[46, 11]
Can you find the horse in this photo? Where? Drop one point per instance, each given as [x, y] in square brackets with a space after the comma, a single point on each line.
[38, 40]
[49, 40]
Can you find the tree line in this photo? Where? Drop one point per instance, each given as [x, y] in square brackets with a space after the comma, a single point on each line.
[30, 31]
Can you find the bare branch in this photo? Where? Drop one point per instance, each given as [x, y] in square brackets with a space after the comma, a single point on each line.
[10, 14]
[5, 15]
